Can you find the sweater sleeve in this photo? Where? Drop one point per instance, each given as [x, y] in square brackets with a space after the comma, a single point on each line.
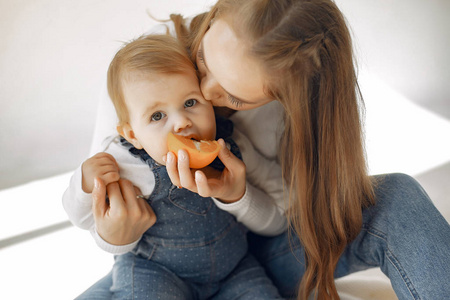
[78, 206]
[110, 248]
[262, 208]
[77, 203]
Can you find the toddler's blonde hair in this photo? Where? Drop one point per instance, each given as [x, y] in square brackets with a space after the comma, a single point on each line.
[148, 54]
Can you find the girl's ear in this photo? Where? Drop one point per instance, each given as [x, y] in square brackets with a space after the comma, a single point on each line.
[127, 132]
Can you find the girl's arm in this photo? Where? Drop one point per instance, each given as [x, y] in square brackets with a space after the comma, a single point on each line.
[262, 208]
[257, 203]
[78, 204]
[121, 221]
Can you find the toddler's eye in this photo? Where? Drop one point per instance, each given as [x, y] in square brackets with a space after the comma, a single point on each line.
[157, 116]
[190, 103]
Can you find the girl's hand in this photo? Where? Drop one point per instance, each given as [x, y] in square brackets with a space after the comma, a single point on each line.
[228, 187]
[126, 217]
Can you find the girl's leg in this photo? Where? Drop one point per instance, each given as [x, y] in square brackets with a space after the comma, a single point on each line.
[139, 278]
[403, 233]
[282, 258]
[407, 237]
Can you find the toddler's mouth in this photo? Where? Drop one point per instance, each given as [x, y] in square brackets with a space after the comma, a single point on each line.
[193, 137]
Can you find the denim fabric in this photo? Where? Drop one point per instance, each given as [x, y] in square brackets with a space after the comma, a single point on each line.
[403, 234]
[152, 280]
[193, 251]
[101, 290]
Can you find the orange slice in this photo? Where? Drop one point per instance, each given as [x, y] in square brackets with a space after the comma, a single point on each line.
[201, 153]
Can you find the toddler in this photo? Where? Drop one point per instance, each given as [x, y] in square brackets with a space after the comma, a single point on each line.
[194, 250]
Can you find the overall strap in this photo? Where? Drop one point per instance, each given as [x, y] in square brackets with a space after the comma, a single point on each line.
[141, 153]
[224, 130]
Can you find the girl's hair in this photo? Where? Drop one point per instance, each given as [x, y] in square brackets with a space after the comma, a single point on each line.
[305, 49]
[149, 54]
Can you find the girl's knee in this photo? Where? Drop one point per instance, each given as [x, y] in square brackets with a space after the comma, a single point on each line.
[400, 188]
[395, 180]
[400, 196]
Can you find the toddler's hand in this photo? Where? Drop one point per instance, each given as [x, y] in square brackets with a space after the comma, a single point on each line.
[101, 165]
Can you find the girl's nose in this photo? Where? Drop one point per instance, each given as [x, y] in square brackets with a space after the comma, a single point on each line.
[211, 89]
[182, 122]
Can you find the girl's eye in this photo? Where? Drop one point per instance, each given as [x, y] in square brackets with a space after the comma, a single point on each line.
[234, 101]
[157, 116]
[190, 103]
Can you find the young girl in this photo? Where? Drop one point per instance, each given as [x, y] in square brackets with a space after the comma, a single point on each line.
[299, 52]
[193, 249]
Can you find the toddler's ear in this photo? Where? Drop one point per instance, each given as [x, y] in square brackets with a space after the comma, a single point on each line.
[127, 132]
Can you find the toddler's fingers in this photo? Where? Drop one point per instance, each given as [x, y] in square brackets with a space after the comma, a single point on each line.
[104, 159]
[110, 176]
[107, 163]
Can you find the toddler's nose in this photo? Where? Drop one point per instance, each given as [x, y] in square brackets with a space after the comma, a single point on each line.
[181, 123]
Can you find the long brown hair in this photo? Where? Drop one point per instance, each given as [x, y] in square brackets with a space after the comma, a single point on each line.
[306, 51]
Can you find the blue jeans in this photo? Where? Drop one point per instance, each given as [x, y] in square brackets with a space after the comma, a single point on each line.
[403, 234]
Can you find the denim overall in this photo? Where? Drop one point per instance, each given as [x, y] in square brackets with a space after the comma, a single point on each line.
[192, 239]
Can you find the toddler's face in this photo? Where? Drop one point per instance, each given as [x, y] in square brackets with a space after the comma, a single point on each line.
[163, 103]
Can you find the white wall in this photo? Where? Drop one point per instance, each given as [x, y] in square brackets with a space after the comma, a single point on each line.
[406, 43]
[53, 59]
[54, 55]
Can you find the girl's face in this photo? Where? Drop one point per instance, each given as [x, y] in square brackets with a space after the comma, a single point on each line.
[162, 103]
[228, 76]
